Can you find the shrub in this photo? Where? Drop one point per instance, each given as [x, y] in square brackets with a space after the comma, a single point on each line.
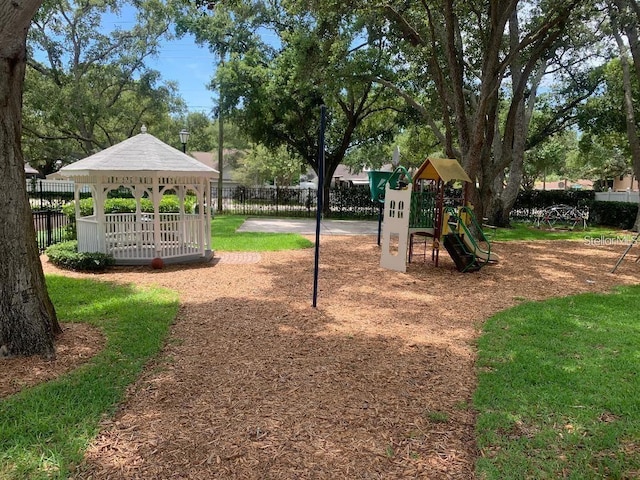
[86, 209]
[613, 214]
[65, 255]
[546, 198]
[352, 201]
[168, 204]
[121, 205]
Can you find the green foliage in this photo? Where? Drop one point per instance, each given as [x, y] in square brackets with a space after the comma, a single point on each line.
[603, 114]
[274, 91]
[613, 214]
[86, 208]
[601, 159]
[352, 202]
[558, 388]
[529, 199]
[262, 165]
[605, 144]
[86, 85]
[65, 255]
[549, 157]
[168, 204]
[44, 430]
[202, 135]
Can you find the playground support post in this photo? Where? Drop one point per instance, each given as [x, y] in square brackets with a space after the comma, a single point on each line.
[380, 215]
[323, 121]
[631, 244]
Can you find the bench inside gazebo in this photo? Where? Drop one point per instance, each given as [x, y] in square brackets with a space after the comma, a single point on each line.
[148, 168]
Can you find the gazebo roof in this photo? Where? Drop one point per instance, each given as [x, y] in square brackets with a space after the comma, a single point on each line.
[141, 154]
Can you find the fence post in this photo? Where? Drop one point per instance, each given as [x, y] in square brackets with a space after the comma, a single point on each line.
[49, 213]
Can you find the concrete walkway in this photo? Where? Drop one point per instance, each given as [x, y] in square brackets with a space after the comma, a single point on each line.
[307, 226]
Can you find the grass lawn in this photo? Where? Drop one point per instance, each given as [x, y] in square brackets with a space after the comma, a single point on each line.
[225, 238]
[528, 232]
[559, 387]
[45, 429]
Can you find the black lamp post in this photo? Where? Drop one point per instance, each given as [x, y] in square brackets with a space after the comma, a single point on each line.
[184, 138]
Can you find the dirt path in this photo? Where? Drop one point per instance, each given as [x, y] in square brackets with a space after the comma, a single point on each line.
[375, 383]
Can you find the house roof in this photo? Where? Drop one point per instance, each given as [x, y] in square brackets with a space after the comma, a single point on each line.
[344, 173]
[445, 169]
[138, 154]
[211, 160]
[28, 169]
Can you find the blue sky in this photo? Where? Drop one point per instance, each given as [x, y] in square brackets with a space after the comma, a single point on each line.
[180, 60]
[192, 67]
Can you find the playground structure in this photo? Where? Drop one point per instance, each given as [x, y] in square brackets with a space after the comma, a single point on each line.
[415, 209]
[567, 216]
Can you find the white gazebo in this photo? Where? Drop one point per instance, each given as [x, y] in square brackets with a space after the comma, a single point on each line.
[148, 168]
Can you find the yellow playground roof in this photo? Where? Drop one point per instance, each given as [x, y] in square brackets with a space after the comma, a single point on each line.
[445, 169]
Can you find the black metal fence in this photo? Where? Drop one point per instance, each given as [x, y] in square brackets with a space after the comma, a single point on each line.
[344, 202]
[49, 194]
[51, 227]
[48, 197]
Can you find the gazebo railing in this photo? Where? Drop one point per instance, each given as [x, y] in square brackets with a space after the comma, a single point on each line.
[88, 237]
[128, 236]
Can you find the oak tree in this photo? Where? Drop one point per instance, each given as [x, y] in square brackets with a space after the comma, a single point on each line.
[28, 321]
[282, 61]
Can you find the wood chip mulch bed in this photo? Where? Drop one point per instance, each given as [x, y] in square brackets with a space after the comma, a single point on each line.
[375, 383]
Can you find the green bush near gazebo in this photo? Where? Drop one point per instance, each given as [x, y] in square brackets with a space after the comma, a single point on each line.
[66, 255]
[168, 204]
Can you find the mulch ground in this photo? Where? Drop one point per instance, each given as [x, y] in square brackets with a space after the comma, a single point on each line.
[376, 382]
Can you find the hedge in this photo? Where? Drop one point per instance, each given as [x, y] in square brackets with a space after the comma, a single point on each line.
[530, 199]
[613, 214]
[65, 255]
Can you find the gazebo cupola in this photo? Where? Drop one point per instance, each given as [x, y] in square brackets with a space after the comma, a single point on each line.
[148, 168]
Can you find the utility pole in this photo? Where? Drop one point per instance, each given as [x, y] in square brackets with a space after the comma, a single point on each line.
[220, 134]
[220, 153]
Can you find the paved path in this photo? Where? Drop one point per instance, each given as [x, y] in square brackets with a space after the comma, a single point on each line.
[307, 226]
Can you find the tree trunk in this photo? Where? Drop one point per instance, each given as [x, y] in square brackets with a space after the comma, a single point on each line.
[629, 107]
[631, 30]
[28, 320]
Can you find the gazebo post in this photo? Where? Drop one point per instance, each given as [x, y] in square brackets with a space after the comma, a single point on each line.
[157, 234]
[76, 201]
[182, 191]
[98, 211]
[206, 184]
[148, 167]
[201, 216]
[140, 234]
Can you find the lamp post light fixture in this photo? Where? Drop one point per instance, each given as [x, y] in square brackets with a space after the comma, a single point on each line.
[184, 138]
